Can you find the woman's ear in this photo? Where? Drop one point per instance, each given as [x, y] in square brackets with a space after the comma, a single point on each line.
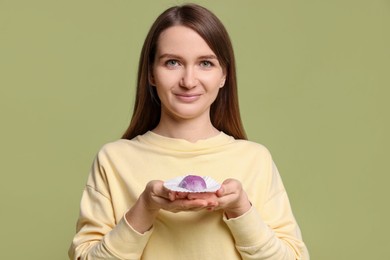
[222, 82]
[151, 79]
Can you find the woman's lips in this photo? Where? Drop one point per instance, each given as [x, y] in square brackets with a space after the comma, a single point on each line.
[188, 97]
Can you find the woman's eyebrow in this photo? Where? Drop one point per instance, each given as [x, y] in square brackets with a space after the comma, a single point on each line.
[174, 56]
[208, 57]
[168, 56]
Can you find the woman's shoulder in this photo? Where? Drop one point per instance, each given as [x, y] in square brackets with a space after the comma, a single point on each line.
[117, 146]
[250, 143]
[252, 146]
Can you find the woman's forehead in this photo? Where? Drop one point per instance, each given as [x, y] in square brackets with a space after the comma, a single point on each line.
[180, 40]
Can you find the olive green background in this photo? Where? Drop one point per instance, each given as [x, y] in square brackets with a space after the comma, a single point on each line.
[314, 88]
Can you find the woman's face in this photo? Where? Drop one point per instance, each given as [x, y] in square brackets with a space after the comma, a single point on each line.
[186, 74]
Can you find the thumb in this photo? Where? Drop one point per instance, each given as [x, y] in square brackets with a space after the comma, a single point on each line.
[221, 191]
[226, 188]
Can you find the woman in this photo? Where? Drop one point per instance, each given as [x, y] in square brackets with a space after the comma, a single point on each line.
[186, 120]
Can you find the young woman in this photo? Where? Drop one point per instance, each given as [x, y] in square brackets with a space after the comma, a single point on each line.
[186, 121]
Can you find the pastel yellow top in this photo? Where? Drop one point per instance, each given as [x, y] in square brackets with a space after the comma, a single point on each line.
[122, 169]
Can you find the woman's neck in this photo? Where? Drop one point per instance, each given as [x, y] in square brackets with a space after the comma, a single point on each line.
[189, 130]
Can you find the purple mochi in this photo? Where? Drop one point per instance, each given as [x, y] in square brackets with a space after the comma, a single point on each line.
[193, 183]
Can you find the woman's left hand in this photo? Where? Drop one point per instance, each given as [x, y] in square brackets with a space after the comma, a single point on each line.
[230, 197]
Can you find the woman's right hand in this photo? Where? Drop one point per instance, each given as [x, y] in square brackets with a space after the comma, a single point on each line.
[142, 214]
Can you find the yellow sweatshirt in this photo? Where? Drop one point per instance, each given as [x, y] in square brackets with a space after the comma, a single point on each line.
[122, 169]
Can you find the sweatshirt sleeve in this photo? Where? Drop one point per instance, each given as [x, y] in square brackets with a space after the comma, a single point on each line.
[98, 234]
[271, 233]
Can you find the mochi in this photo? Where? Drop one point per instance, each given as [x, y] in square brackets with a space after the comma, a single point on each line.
[193, 183]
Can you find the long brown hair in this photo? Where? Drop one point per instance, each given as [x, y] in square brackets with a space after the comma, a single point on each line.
[224, 112]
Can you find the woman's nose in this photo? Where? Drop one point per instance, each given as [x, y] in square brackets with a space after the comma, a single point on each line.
[189, 79]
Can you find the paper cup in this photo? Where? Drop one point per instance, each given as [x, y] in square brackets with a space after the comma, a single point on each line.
[173, 185]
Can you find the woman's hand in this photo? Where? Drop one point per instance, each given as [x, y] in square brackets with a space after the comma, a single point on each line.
[156, 197]
[231, 198]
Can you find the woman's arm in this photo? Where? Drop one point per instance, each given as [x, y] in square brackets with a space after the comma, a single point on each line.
[271, 234]
[99, 236]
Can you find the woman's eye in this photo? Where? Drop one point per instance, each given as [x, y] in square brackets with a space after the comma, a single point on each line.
[206, 64]
[172, 63]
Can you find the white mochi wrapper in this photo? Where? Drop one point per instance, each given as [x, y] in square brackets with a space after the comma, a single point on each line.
[173, 185]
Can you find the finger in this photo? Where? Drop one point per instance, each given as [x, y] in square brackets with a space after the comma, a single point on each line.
[181, 195]
[159, 193]
[201, 195]
[210, 197]
[172, 195]
[220, 192]
[225, 200]
[188, 205]
[229, 186]
[162, 191]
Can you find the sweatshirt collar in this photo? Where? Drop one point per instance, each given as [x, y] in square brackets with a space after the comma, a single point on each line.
[184, 145]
